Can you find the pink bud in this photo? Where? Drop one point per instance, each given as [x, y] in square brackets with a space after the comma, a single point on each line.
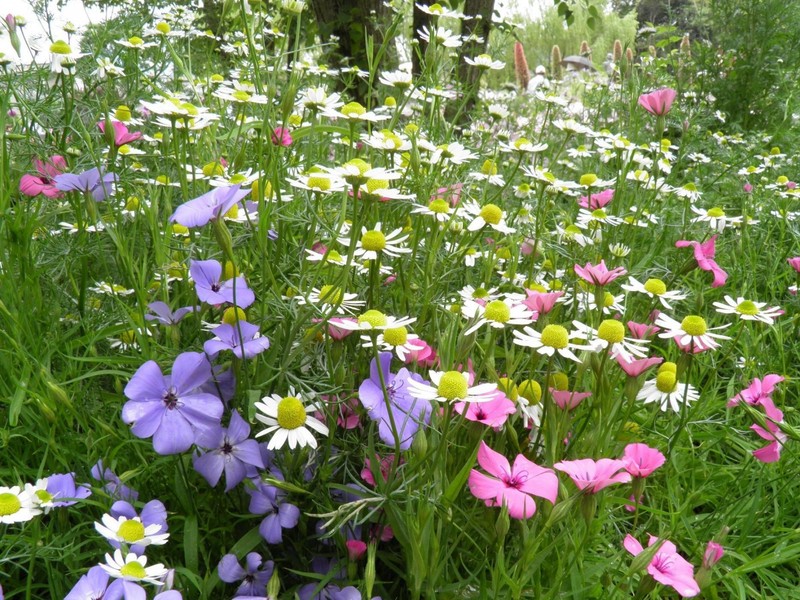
[713, 553]
[356, 549]
[748, 188]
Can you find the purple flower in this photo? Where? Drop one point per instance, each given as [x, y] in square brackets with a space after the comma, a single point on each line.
[112, 484]
[164, 315]
[408, 412]
[207, 276]
[227, 338]
[280, 515]
[315, 591]
[93, 180]
[221, 384]
[91, 586]
[232, 452]
[208, 207]
[153, 513]
[62, 485]
[170, 408]
[254, 579]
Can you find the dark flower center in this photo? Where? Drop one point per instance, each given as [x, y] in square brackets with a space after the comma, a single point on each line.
[215, 287]
[227, 448]
[171, 399]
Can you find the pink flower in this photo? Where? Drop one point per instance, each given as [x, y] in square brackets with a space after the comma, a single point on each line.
[541, 302]
[773, 434]
[384, 464]
[594, 476]
[356, 549]
[493, 413]
[757, 391]
[641, 460]
[599, 274]
[795, 263]
[281, 136]
[748, 188]
[659, 102]
[422, 354]
[44, 183]
[596, 201]
[714, 552]
[667, 567]
[339, 333]
[452, 194]
[704, 255]
[567, 400]
[637, 367]
[121, 134]
[512, 486]
[642, 331]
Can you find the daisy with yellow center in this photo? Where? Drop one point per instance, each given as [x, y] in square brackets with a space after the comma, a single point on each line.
[18, 505]
[395, 339]
[131, 567]
[317, 181]
[131, 531]
[553, 338]
[690, 334]
[715, 217]
[451, 386]
[748, 310]
[611, 335]
[667, 390]
[654, 288]
[489, 214]
[374, 242]
[287, 419]
[438, 208]
[377, 321]
[497, 313]
[332, 299]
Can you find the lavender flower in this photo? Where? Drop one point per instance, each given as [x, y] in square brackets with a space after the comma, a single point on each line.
[232, 452]
[316, 591]
[170, 408]
[227, 338]
[407, 411]
[91, 586]
[207, 276]
[153, 513]
[62, 485]
[280, 515]
[93, 180]
[164, 315]
[112, 484]
[208, 207]
[254, 579]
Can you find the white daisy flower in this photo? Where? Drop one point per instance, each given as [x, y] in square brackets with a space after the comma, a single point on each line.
[479, 294]
[489, 214]
[287, 419]
[553, 338]
[395, 339]
[386, 139]
[454, 153]
[374, 241]
[587, 218]
[748, 310]
[317, 98]
[438, 208]
[131, 531]
[715, 217]
[18, 505]
[324, 183]
[332, 257]
[497, 313]
[692, 332]
[353, 111]
[331, 298]
[133, 568]
[451, 386]
[401, 80]
[667, 390]
[239, 96]
[611, 335]
[485, 61]
[111, 289]
[654, 288]
[442, 36]
[375, 320]
[437, 10]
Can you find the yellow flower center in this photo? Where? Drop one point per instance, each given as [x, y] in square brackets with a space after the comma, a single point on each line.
[377, 184]
[489, 168]
[359, 164]
[131, 531]
[331, 294]
[608, 299]
[133, 570]
[439, 206]
[319, 183]
[666, 382]
[694, 325]
[531, 391]
[229, 270]
[747, 308]
[783, 179]
[559, 381]
[44, 496]
[9, 504]
[241, 96]
[555, 336]
[391, 103]
[128, 337]
[60, 47]
[670, 367]
[353, 109]
[509, 388]
[374, 241]
[395, 336]
[588, 179]
[233, 314]
[123, 113]
[497, 311]
[715, 212]
[291, 413]
[162, 179]
[775, 151]
[655, 287]
[452, 386]
[233, 212]
[163, 27]
[611, 331]
[599, 214]
[436, 9]
[520, 143]
[237, 178]
[334, 256]
[374, 317]
[492, 214]
[690, 187]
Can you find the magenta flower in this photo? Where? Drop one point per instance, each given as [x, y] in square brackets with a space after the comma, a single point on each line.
[209, 207]
[714, 552]
[757, 391]
[567, 400]
[594, 476]
[641, 460]
[667, 567]
[598, 200]
[637, 367]
[121, 134]
[541, 302]
[512, 486]
[493, 413]
[794, 263]
[44, 182]
[642, 331]
[772, 433]
[659, 102]
[599, 274]
[170, 408]
[281, 136]
[704, 255]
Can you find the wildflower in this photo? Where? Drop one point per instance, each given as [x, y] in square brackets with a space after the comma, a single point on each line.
[440, 35]
[230, 450]
[485, 62]
[280, 515]
[667, 566]
[667, 390]
[637, 367]
[654, 288]
[704, 256]
[772, 433]
[641, 460]
[757, 392]
[596, 201]
[374, 320]
[374, 241]
[489, 214]
[610, 334]
[512, 486]
[18, 505]
[553, 338]
[59, 490]
[254, 578]
[281, 136]
[208, 207]
[493, 413]
[112, 484]
[748, 310]
[93, 181]
[153, 517]
[121, 134]
[243, 339]
[162, 313]
[94, 585]
[398, 340]
[133, 568]
[712, 555]
[331, 298]
[171, 408]
[690, 334]
[132, 532]
[497, 313]
[451, 386]
[44, 182]
[593, 476]
[407, 411]
[794, 263]
[715, 217]
[207, 276]
[659, 102]
[287, 420]
[599, 274]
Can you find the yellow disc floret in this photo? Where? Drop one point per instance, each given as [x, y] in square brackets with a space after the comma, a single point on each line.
[452, 386]
[555, 336]
[747, 307]
[373, 241]
[9, 504]
[492, 214]
[611, 331]
[291, 413]
[374, 317]
[395, 336]
[694, 325]
[131, 531]
[497, 311]
[133, 570]
[655, 287]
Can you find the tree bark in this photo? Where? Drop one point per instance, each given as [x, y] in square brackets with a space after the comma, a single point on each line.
[479, 26]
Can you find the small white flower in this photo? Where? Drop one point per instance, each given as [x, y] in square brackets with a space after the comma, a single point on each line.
[496, 313]
[18, 505]
[131, 531]
[553, 338]
[133, 568]
[667, 390]
[692, 332]
[287, 419]
[749, 310]
[654, 288]
[451, 386]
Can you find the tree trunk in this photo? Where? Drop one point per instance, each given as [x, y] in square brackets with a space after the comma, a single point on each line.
[478, 26]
